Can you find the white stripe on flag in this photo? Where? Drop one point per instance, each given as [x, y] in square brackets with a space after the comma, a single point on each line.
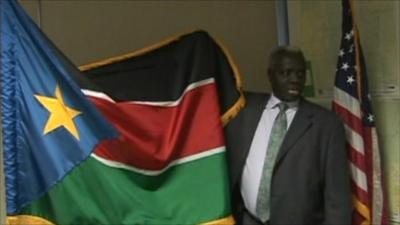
[190, 158]
[97, 95]
[161, 104]
[359, 177]
[354, 139]
[347, 101]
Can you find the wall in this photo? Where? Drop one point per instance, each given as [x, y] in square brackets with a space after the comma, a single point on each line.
[87, 31]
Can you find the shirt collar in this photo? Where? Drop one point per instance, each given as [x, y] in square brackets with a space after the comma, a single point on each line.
[273, 101]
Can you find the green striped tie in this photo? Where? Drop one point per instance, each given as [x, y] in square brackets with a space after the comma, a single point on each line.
[278, 132]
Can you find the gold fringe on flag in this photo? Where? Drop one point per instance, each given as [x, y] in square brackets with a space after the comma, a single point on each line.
[363, 210]
[241, 102]
[27, 220]
[224, 221]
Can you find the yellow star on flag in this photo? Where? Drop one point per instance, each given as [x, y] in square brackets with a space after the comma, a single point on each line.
[60, 114]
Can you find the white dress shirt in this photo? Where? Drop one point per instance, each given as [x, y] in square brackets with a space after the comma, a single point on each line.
[255, 160]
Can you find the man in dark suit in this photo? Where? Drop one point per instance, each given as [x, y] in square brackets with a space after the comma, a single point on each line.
[291, 170]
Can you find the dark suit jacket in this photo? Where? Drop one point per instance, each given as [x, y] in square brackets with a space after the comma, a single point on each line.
[310, 183]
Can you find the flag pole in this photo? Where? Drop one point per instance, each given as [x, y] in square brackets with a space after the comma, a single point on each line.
[357, 49]
[39, 13]
[282, 22]
[2, 182]
[2, 179]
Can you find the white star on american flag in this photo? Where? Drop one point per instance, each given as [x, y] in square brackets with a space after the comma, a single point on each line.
[350, 79]
[348, 36]
[351, 48]
[341, 53]
[345, 66]
[370, 118]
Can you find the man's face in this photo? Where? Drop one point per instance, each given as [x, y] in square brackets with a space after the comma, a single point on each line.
[287, 77]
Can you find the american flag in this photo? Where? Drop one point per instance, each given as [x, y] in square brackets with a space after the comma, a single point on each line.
[352, 102]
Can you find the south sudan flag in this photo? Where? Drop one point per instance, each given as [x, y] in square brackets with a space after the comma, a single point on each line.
[148, 146]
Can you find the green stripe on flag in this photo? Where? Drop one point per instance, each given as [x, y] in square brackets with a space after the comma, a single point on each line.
[94, 193]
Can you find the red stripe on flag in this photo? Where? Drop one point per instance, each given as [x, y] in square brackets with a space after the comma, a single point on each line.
[153, 136]
[357, 218]
[357, 158]
[348, 118]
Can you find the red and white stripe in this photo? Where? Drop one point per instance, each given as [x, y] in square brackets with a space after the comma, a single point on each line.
[157, 135]
[364, 158]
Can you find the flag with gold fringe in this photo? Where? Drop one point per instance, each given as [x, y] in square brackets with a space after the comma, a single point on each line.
[134, 139]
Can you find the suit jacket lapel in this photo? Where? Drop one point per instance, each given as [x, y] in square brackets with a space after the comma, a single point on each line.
[301, 122]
